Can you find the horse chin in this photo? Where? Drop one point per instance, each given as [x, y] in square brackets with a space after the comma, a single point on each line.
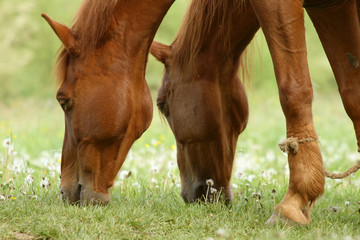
[201, 192]
[82, 195]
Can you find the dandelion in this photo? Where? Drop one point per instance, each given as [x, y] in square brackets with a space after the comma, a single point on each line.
[235, 185]
[125, 174]
[333, 209]
[136, 185]
[169, 175]
[52, 174]
[173, 147]
[213, 190]
[222, 233]
[238, 175]
[250, 178]
[44, 183]
[347, 203]
[11, 150]
[13, 198]
[2, 198]
[29, 179]
[6, 142]
[154, 181]
[273, 192]
[147, 145]
[171, 165]
[154, 170]
[210, 182]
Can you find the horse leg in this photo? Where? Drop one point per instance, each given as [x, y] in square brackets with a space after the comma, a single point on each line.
[282, 22]
[340, 37]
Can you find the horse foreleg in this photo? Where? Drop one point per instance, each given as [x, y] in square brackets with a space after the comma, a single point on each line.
[339, 32]
[282, 22]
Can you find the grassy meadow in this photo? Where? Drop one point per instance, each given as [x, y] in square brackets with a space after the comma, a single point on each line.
[147, 205]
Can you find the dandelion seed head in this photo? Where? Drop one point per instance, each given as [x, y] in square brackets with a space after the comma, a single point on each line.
[7, 142]
[213, 190]
[234, 185]
[347, 203]
[154, 170]
[210, 182]
[29, 179]
[2, 198]
[154, 181]
[136, 185]
[250, 178]
[125, 174]
[238, 175]
[44, 183]
[222, 233]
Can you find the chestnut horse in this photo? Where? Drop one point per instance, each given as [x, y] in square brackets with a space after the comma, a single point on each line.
[103, 92]
[205, 103]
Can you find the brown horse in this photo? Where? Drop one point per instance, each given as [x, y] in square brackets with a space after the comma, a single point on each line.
[202, 96]
[206, 106]
[103, 92]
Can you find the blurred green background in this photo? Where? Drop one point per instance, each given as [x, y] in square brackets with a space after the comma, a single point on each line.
[30, 114]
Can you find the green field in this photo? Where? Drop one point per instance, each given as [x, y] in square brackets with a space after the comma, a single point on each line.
[147, 205]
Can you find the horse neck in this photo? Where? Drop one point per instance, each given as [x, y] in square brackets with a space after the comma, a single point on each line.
[222, 56]
[133, 29]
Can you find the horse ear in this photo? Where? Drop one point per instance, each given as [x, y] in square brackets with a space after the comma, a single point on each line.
[160, 51]
[63, 32]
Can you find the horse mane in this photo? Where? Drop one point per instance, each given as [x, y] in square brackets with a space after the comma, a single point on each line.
[200, 17]
[91, 25]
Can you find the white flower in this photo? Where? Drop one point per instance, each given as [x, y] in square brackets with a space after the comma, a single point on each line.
[2, 198]
[45, 183]
[234, 185]
[213, 190]
[154, 170]
[136, 184]
[171, 165]
[29, 179]
[210, 182]
[6, 142]
[250, 178]
[52, 174]
[11, 150]
[347, 203]
[169, 175]
[125, 174]
[238, 175]
[222, 233]
[154, 181]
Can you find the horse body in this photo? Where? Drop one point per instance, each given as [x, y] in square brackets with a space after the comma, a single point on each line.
[103, 92]
[201, 95]
[204, 103]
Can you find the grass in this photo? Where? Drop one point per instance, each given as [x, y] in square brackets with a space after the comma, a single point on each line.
[147, 205]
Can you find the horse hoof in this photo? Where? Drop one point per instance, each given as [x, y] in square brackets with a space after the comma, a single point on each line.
[278, 218]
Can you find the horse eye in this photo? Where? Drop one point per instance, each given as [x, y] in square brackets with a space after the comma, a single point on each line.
[162, 107]
[65, 104]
